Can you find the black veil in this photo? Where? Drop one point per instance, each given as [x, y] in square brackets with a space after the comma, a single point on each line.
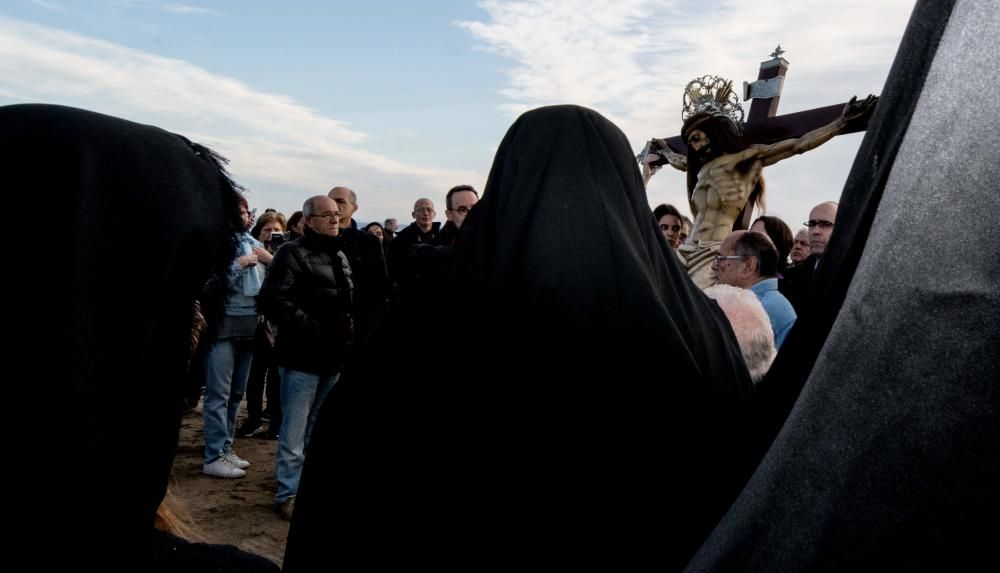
[586, 389]
[121, 225]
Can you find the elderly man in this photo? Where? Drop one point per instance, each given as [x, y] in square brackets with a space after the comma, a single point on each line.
[364, 252]
[390, 227]
[307, 295]
[423, 230]
[800, 247]
[459, 200]
[750, 325]
[749, 260]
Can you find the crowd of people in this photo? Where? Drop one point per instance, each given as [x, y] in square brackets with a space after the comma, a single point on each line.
[307, 296]
[299, 294]
[598, 403]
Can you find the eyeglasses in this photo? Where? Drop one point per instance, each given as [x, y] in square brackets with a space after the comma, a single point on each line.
[673, 228]
[326, 215]
[818, 223]
[720, 258]
[462, 209]
[423, 210]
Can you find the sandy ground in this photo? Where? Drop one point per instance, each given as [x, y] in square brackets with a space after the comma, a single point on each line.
[239, 512]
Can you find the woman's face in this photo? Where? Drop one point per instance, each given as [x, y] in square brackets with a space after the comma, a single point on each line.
[246, 218]
[267, 229]
[670, 226]
[377, 231]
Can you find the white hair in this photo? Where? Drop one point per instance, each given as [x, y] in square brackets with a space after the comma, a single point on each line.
[750, 323]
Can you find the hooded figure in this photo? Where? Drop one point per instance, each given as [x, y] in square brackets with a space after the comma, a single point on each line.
[130, 223]
[583, 404]
[884, 403]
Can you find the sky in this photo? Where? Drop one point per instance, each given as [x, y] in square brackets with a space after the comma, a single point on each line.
[401, 100]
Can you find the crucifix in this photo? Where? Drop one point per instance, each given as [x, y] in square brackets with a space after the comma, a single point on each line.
[724, 157]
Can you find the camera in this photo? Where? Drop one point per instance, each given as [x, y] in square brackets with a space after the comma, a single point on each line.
[656, 146]
[277, 239]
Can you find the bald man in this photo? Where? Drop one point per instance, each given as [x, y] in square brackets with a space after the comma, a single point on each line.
[363, 250]
[423, 230]
[797, 281]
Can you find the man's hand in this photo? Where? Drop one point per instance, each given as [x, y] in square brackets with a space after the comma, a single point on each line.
[855, 109]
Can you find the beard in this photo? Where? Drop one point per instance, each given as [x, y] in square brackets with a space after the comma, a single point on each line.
[706, 154]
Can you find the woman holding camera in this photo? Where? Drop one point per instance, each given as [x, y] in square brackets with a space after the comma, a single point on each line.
[269, 230]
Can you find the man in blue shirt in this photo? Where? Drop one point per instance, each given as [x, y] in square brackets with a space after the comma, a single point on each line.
[749, 260]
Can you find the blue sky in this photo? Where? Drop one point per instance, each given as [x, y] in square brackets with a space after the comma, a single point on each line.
[400, 100]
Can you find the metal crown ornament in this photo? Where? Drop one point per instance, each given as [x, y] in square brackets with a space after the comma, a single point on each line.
[714, 95]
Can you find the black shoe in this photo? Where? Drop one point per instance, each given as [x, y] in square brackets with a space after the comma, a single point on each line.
[249, 429]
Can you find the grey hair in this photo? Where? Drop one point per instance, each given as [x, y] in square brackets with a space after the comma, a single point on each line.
[750, 323]
[350, 193]
[310, 205]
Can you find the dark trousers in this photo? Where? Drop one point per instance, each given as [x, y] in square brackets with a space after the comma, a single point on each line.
[264, 374]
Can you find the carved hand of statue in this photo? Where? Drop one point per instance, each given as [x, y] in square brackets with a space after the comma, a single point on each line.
[859, 109]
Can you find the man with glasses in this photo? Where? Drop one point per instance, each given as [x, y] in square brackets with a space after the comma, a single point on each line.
[459, 200]
[797, 280]
[749, 260]
[820, 224]
[307, 295]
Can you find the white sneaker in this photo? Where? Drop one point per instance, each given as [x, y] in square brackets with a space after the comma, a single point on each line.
[222, 468]
[236, 460]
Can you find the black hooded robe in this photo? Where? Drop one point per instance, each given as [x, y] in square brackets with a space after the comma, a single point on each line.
[124, 224]
[580, 402]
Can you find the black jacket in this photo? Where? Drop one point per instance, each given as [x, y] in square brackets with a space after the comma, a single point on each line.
[796, 283]
[447, 236]
[403, 243]
[307, 295]
[371, 280]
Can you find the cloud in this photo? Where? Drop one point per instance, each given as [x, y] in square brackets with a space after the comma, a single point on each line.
[47, 5]
[273, 141]
[630, 60]
[186, 9]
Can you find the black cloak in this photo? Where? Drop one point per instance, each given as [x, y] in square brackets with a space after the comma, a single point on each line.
[579, 401]
[890, 457]
[122, 225]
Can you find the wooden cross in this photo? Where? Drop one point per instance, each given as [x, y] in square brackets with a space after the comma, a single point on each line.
[764, 126]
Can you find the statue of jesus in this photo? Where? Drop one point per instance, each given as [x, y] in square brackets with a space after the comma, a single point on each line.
[722, 173]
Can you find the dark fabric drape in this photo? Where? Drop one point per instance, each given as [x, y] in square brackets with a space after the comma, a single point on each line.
[887, 458]
[581, 401]
[128, 221]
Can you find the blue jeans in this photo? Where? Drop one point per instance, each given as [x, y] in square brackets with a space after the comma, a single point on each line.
[302, 395]
[227, 366]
